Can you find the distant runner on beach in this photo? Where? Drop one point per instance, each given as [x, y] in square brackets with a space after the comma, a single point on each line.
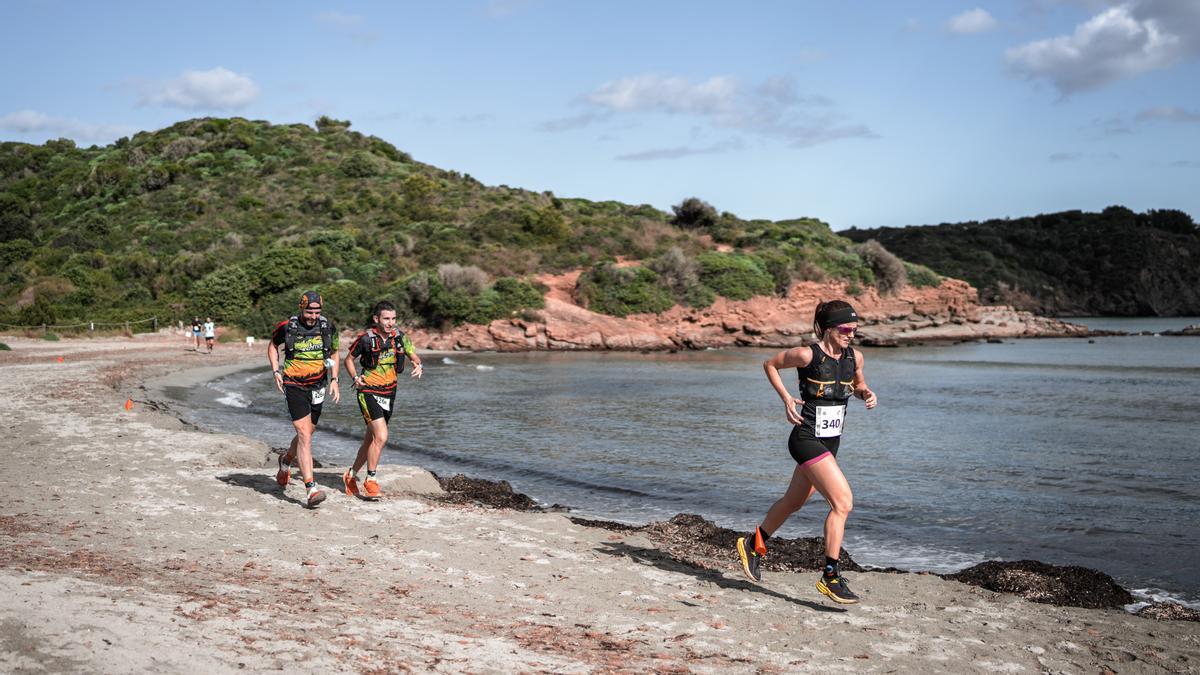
[210, 333]
[195, 333]
[309, 342]
[380, 351]
[830, 372]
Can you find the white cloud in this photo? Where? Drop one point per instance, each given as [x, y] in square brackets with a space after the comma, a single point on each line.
[216, 89]
[681, 151]
[972, 21]
[33, 123]
[1169, 114]
[572, 122]
[672, 95]
[1122, 41]
[773, 108]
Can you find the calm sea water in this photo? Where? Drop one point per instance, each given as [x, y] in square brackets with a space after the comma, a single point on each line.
[1059, 450]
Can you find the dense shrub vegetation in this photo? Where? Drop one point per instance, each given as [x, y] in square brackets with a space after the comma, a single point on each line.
[1116, 262]
[233, 218]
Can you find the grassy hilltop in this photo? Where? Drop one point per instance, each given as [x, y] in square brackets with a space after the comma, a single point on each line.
[1072, 263]
[233, 217]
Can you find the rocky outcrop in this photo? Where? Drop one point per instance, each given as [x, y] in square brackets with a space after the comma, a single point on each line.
[492, 493]
[951, 311]
[1188, 331]
[702, 543]
[1069, 586]
[1169, 611]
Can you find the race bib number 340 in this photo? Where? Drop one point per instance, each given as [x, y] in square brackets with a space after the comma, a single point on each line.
[828, 421]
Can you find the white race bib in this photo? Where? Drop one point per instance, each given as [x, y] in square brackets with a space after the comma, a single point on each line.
[384, 402]
[318, 396]
[828, 420]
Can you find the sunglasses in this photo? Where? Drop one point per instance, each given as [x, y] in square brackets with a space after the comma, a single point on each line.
[845, 330]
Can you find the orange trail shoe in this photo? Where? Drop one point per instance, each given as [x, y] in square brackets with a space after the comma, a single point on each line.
[315, 496]
[284, 473]
[371, 488]
[350, 482]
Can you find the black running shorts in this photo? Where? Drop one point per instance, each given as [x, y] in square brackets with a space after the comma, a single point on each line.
[374, 406]
[300, 402]
[807, 449]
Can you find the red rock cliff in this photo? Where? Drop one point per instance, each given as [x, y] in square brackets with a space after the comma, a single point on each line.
[949, 311]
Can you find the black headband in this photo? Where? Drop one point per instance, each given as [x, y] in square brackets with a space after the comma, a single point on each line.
[838, 317]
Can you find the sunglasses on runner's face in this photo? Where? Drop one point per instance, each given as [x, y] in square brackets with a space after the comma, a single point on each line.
[846, 330]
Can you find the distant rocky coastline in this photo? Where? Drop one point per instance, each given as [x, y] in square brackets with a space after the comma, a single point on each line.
[948, 312]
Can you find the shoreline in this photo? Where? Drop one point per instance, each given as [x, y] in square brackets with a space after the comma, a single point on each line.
[172, 545]
[484, 490]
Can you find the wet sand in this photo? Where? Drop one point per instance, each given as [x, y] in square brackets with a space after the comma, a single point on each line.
[135, 543]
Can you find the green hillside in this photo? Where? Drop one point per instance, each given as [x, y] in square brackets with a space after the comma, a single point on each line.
[232, 217]
[1072, 263]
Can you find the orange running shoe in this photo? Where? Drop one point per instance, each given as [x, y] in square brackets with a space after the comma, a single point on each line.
[284, 473]
[371, 487]
[350, 482]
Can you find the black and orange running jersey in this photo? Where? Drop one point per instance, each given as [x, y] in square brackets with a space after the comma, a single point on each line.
[304, 366]
[381, 360]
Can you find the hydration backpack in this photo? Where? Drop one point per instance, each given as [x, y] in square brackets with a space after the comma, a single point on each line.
[294, 328]
[375, 344]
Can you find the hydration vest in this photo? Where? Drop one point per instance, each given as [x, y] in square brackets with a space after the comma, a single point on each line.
[296, 329]
[374, 344]
[828, 379]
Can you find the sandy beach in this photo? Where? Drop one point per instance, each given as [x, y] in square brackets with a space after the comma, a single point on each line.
[137, 543]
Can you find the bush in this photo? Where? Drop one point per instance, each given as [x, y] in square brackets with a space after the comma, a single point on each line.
[468, 279]
[736, 276]
[890, 274]
[620, 291]
[224, 293]
[50, 337]
[681, 274]
[676, 270]
[694, 213]
[921, 276]
[359, 165]
[4, 347]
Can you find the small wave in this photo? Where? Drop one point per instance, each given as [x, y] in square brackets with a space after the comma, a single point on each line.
[449, 361]
[485, 368]
[233, 399]
[1146, 596]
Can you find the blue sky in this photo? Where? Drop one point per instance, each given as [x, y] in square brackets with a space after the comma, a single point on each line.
[858, 113]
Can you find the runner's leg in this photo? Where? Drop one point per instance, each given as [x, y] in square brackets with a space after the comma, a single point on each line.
[378, 434]
[798, 492]
[360, 460]
[303, 446]
[826, 476]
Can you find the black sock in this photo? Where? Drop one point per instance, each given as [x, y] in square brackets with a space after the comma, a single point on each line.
[831, 567]
[370, 475]
[308, 485]
[751, 539]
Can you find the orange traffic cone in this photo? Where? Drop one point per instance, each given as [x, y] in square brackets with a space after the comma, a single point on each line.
[129, 404]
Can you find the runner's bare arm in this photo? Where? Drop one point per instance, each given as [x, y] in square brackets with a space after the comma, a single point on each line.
[273, 359]
[796, 357]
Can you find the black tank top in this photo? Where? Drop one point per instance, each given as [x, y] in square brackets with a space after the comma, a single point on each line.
[825, 381]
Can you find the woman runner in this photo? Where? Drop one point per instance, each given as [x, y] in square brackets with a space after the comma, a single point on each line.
[830, 372]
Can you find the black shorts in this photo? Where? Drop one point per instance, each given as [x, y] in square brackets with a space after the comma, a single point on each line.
[375, 406]
[300, 402]
[806, 448]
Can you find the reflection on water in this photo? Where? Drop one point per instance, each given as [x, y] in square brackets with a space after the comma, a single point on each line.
[1060, 450]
